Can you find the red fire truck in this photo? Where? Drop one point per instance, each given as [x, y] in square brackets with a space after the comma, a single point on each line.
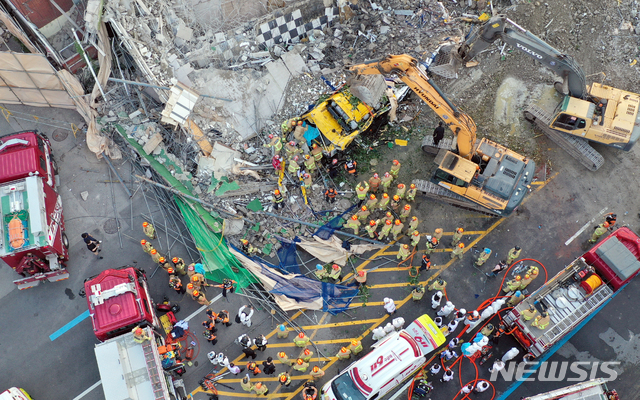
[577, 293]
[32, 241]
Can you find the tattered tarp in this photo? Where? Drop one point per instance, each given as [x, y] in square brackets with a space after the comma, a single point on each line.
[331, 251]
[294, 291]
[289, 256]
[326, 230]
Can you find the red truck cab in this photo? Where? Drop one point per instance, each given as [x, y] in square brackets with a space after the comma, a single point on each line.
[32, 238]
[119, 300]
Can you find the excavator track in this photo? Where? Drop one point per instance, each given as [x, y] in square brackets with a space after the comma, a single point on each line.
[577, 148]
[433, 191]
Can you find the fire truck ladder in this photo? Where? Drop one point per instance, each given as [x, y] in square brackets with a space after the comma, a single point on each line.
[570, 321]
[152, 360]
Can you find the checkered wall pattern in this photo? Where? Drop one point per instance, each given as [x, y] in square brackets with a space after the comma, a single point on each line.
[291, 28]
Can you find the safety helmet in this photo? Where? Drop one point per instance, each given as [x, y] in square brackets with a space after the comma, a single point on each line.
[296, 158]
[375, 175]
[194, 278]
[388, 222]
[389, 214]
[316, 368]
[395, 162]
[259, 385]
[517, 247]
[354, 217]
[309, 397]
[461, 245]
[252, 365]
[407, 207]
[143, 242]
[170, 270]
[414, 218]
[518, 293]
[487, 250]
[361, 273]
[606, 224]
[334, 161]
[195, 292]
[189, 286]
[354, 342]
[162, 259]
[318, 267]
[154, 251]
[434, 240]
[306, 156]
[175, 259]
[307, 175]
[397, 222]
[191, 268]
[282, 353]
[301, 335]
[396, 198]
[412, 186]
[416, 233]
[459, 230]
[400, 185]
[292, 143]
[299, 361]
[282, 328]
[307, 352]
[438, 230]
[335, 266]
[384, 195]
[364, 208]
[526, 276]
[145, 224]
[372, 223]
[372, 197]
[283, 378]
[518, 278]
[300, 123]
[244, 241]
[386, 174]
[343, 350]
[139, 331]
[406, 246]
[315, 146]
[276, 192]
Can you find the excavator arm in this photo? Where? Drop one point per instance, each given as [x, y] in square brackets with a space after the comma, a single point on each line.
[574, 81]
[414, 76]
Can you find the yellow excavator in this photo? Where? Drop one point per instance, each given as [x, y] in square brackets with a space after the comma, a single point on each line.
[595, 112]
[483, 176]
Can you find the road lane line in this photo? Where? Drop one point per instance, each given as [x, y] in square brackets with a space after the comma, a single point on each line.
[86, 392]
[585, 226]
[69, 325]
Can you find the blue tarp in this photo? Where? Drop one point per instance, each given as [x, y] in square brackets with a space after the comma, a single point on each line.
[288, 256]
[337, 298]
[311, 133]
[326, 230]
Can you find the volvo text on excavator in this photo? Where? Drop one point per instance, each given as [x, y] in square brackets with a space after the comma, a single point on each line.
[483, 176]
[594, 112]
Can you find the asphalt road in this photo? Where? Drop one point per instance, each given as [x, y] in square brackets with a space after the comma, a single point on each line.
[65, 367]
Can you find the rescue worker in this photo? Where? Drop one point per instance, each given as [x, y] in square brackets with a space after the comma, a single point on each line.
[330, 195]
[361, 191]
[431, 245]
[306, 179]
[190, 289]
[386, 229]
[458, 251]
[404, 252]
[386, 181]
[260, 342]
[611, 220]
[371, 228]
[139, 335]
[413, 225]
[149, 230]
[316, 373]
[198, 281]
[261, 389]
[321, 272]
[457, 236]
[146, 246]
[372, 202]
[191, 269]
[300, 365]
[364, 213]
[253, 367]
[179, 265]
[406, 211]
[175, 283]
[291, 150]
[436, 299]
[299, 131]
[278, 200]
[283, 332]
[515, 299]
[210, 336]
[199, 297]
[415, 238]
[293, 166]
[226, 286]
[210, 325]
[599, 231]
[411, 193]
[335, 272]
[274, 142]
[425, 263]
[437, 284]
[284, 359]
[332, 169]
[389, 217]
[277, 162]
[395, 169]
[288, 125]
[246, 384]
[514, 253]
[438, 234]
[355, 347]
[353, 223]
[389, 305]
[155, 256]
[401, 190]
[301, 340]
[374, 183]
[397, 229]
[526, 280]
[483, 257]
[528, 314]
[361, 277]
[284, 378]
[306, 355]
[164, 264]
[395, 203]
[224, 317]
[309, 163]
[541, 321]
[351, 167]
[316, 152]
[344, 354]
[384, 201]
[417, 293]
[512, 285]
[446, 309]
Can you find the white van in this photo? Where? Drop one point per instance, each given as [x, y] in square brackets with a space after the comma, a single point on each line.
[14, 393]
[394, 359]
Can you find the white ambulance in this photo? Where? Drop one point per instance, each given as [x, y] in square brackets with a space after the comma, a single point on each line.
[394, 358]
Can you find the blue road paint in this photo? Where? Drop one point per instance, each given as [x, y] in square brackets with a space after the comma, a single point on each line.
[555, 348]
[69, 325]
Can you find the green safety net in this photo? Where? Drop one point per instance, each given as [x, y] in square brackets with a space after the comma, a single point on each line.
[205, 228]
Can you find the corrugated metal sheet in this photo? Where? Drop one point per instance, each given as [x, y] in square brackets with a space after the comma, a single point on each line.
[16, 164]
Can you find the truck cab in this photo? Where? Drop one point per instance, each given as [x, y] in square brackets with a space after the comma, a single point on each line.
[118, 301]
[393, 360]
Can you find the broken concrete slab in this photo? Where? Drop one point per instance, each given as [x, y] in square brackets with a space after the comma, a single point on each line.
[294, 63]
[233, 226]
[279, 72]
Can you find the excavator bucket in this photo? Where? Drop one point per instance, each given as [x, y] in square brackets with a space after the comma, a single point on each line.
[446, 63]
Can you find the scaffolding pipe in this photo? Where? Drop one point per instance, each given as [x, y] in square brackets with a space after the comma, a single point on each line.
[126, 189]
